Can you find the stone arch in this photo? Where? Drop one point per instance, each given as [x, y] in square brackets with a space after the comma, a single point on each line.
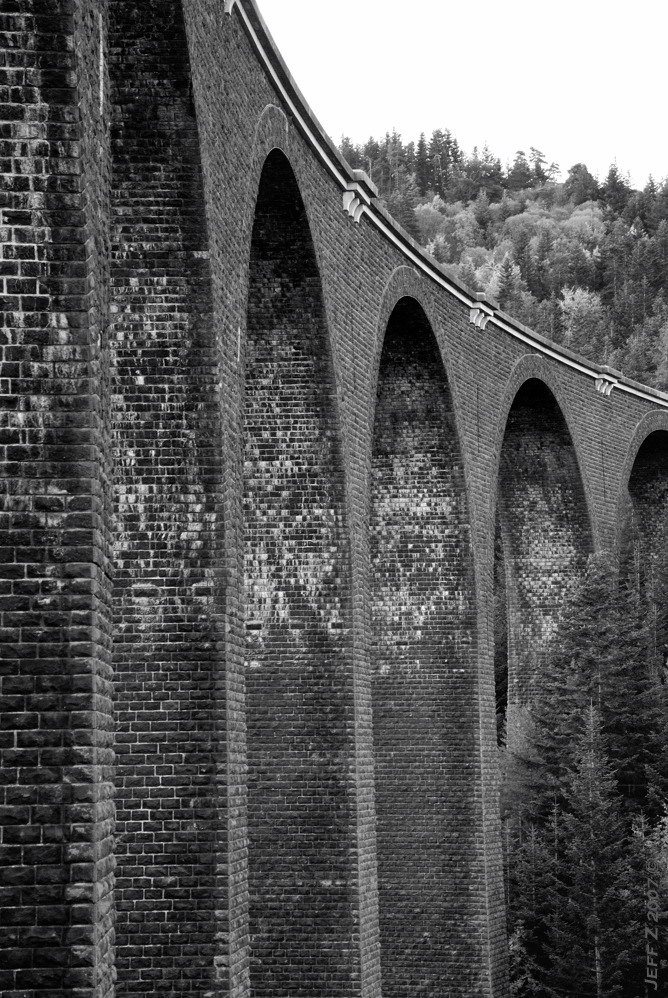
[642, 520]
[542, 522]
[274, 132]
[403, 282]
[297, 615]
[423, 665]
[651, 424]
[533, 365]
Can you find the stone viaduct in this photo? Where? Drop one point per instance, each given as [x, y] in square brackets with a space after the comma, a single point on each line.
[258, 451]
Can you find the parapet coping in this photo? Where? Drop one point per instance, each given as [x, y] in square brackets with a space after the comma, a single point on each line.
[359, 198]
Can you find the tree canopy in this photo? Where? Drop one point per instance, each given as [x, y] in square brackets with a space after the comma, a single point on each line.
[583, 262]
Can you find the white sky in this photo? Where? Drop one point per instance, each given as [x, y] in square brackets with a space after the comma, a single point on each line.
[581, 80]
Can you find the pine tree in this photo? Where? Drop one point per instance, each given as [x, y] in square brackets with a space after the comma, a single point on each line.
[580, 186]
[520, 175]
[508, 283]
[422, 166]
[531, 899]
[616, 190]
[538, 163]
[350, 152]
[467, 274]
[585, 765]
[602, 655]
[594, 931]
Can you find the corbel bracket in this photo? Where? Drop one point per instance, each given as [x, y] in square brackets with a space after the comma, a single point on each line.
[604, 385]
[482, 310]
[358, 195]
[229, 6]
[606, 381]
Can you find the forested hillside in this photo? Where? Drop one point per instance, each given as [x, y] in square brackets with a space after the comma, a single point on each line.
[582, 262]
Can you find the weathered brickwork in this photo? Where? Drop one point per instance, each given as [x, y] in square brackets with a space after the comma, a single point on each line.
[254, 451]
[545, 531]
[422, 609]
[298, 663]
[54, 553]
[166, 444]
[646, 522]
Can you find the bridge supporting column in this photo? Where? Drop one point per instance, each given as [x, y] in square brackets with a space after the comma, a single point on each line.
[56, 725]
[171, 923]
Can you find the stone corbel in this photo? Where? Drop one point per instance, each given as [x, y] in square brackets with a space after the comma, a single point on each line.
[481, 311]
[358, 195]
[604, 385]
[606, 381]
[353, 205]
[229, 6]
[479, 317]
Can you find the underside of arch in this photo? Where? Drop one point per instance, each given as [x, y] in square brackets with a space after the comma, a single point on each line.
[297, 606]
[543, 534]
[423, 639]
[644, 534]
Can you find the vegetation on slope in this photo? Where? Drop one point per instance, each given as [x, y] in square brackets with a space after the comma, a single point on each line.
[582, 262]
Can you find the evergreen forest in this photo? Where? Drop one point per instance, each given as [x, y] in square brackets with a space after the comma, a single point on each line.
[584, 762]
[583, 262]
[583, 795]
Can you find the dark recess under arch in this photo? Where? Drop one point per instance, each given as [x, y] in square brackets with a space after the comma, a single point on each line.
[644, 531]
[543, 536]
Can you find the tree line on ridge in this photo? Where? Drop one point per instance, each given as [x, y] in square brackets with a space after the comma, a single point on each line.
[583, 262]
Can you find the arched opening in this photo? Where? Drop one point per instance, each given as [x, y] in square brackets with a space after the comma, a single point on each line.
[298, 643]
[644, 540]
[543, 537]
[423, 633]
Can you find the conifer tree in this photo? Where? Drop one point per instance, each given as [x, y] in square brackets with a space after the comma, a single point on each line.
[591, 767]
[422, 166]
[531, 900]
[596, 926]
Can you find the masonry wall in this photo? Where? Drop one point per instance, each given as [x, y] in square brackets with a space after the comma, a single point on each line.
[56, 740]
[297, 584]
[199, 899]
[423, 620]
[645, 523]
[545, 531]
[167, 442]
